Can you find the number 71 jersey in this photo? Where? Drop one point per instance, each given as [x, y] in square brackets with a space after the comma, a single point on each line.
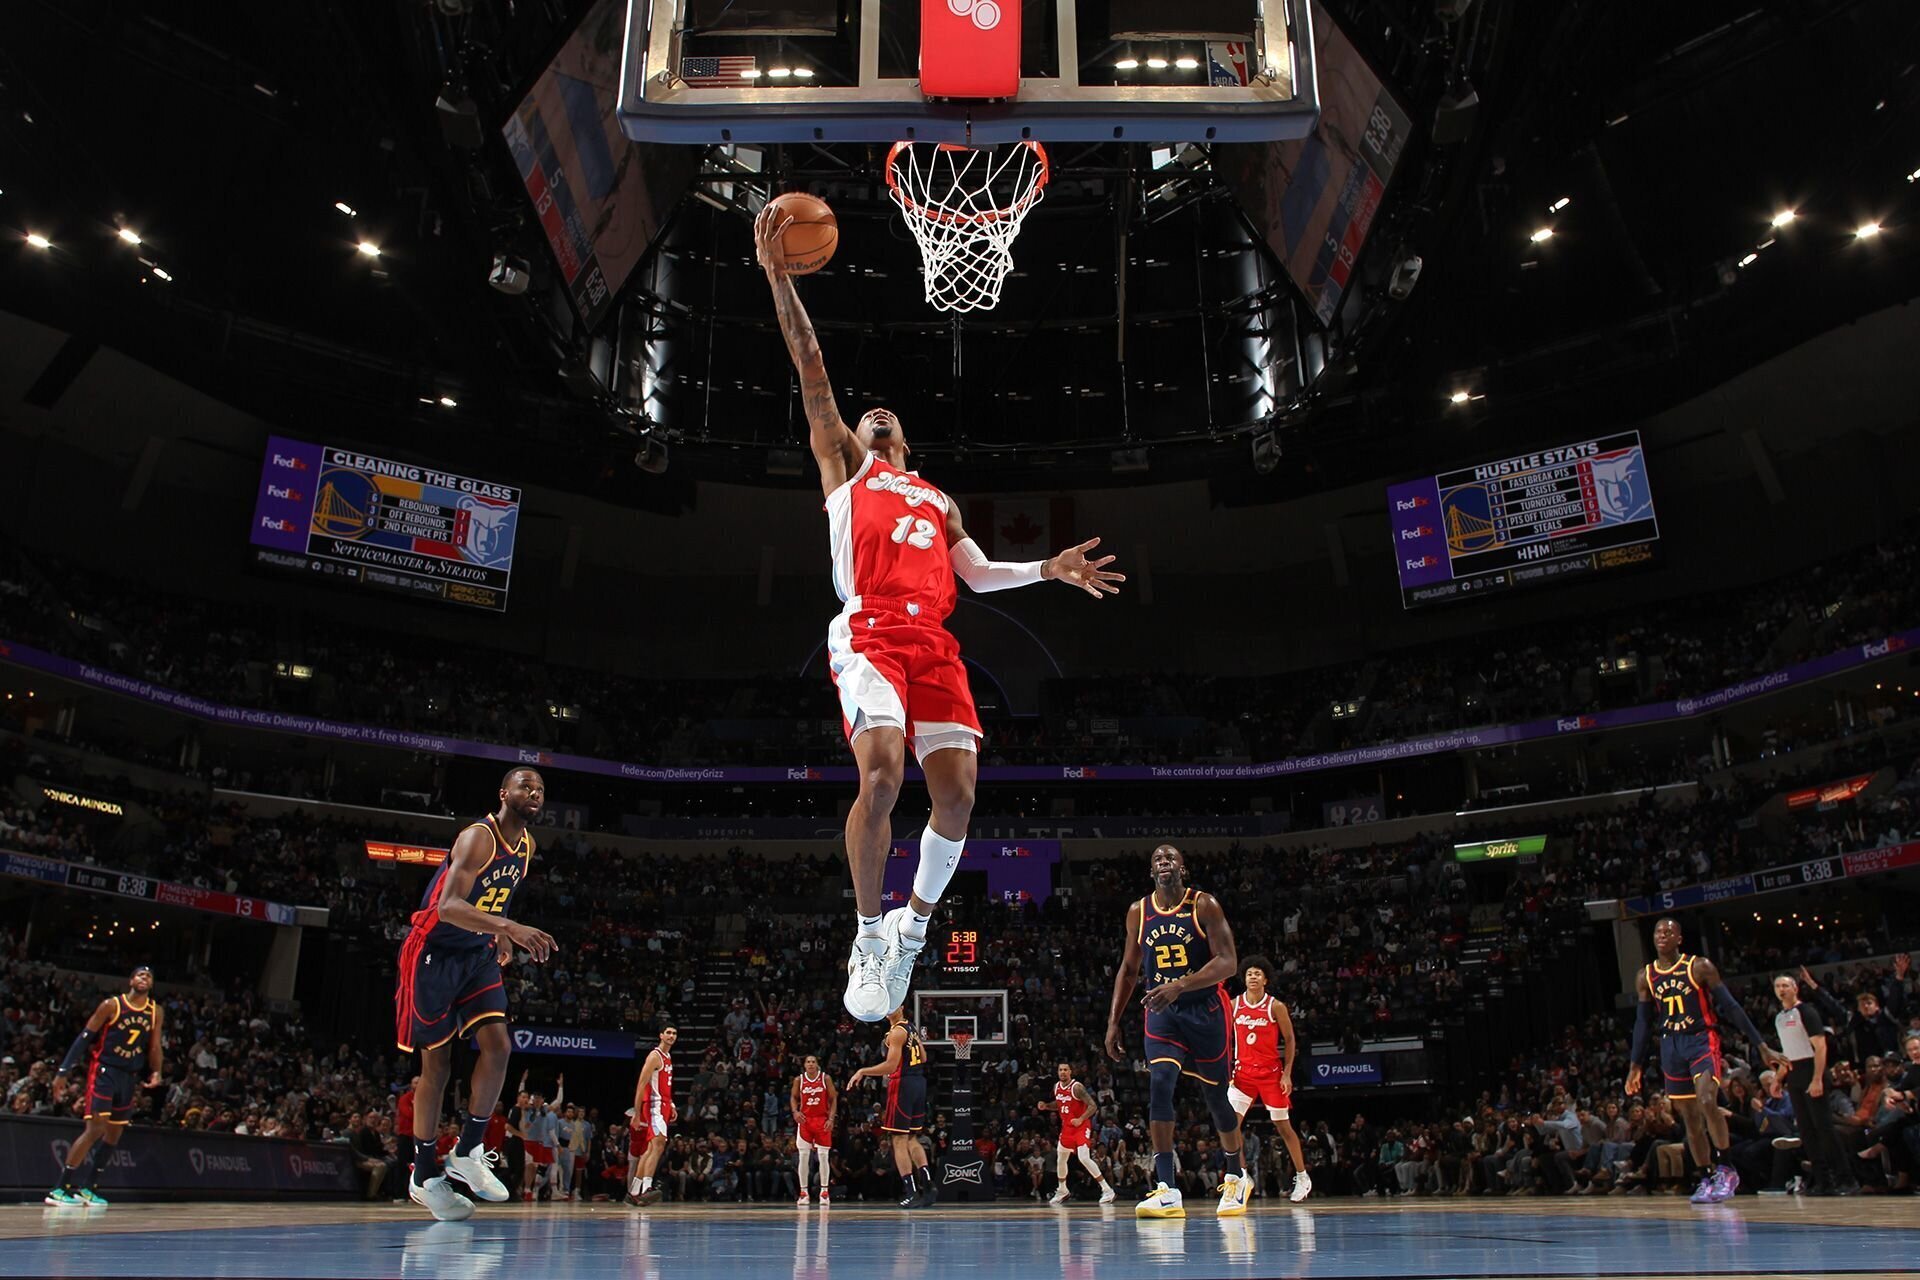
[887, 532]
[492, 889]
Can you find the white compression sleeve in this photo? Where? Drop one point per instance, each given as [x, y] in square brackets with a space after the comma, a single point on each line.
[985, 575]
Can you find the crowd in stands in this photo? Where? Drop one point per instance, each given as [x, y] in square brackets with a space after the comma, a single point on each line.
[1571, 665]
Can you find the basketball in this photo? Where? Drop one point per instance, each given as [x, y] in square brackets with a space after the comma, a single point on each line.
[808, 243]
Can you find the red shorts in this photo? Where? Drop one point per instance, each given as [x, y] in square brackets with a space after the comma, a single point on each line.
[539, 1153]
[1074, 1139]
[893, 670]
[814, 1130]
[1262, 1091]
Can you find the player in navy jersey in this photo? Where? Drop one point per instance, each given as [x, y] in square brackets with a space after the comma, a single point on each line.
[1181, 948]
[450, 986]
[905, 1116]
[1675, 989]
[122, 1035]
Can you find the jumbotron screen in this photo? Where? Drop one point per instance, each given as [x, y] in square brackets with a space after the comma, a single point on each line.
[1529, 520]
[351, 518]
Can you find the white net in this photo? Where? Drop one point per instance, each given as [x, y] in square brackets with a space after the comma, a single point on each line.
[964, 206]
[963, 1046]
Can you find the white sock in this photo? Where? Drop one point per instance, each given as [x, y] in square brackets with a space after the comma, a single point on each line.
[939, 859]
[646, 1185]
[806, 1168]
[869, 937]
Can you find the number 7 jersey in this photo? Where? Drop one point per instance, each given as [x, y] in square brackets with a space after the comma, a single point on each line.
[887, 532]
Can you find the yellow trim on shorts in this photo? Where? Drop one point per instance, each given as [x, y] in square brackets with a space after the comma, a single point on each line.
[1197, 1076]
[407, 1048]
[1175, 1061]
[480, 1018]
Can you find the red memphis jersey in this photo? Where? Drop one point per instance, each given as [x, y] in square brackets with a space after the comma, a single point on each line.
[1073, 1112]
[887, 530]
[660, 1088]
[1256, 1039]
[813, 1097]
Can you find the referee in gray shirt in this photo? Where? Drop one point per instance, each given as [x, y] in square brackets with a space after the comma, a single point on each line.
[1803, 1038]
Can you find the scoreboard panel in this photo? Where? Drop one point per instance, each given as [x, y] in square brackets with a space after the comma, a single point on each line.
[361, 520]
[1527, 520]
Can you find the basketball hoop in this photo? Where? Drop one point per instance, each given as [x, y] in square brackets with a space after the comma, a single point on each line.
[964, 206]
[963, 1046]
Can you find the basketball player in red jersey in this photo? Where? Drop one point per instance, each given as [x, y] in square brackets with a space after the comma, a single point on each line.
[123, 1033]
[450, 985]
[1077, 1110]
[1261, 1072]
[897, 544]
[814, 1101]
[652, 1113]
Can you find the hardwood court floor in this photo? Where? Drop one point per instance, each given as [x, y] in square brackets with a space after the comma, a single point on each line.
[1422, 1240]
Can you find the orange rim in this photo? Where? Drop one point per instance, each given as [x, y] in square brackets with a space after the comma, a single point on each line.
[1018, 208]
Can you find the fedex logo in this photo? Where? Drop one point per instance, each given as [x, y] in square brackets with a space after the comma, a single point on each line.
[534, 757]
[276, 524]
[1415, 533]
[1892, 644]
[1410, 504]
[291, 495]
[1424, 562]
[1573, 724]
[288, 463]
[1079, 773]
[803, 775]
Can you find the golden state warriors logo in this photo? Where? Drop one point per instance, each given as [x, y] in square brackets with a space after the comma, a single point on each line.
[1468, 515]
[346, 503]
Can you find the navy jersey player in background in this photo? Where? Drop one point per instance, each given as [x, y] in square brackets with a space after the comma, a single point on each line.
[122, 1035]
[904, 1117]
[1180, 946]
[1674, 989]
[450, 986]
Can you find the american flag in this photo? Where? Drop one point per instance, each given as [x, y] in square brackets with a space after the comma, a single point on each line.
[717, 73]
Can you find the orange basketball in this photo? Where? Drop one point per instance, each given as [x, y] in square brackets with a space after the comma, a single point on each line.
[810, 239]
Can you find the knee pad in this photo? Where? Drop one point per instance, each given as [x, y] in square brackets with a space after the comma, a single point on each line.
[1164, 1076]
[1225, 1118]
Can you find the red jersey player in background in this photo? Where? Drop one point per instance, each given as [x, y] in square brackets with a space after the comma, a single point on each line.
[897, 543]
[1262, 1072]
[652, 1113]
[1077, 1109]
[814, 1101]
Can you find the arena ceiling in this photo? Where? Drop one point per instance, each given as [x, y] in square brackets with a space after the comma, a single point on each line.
[226, 139]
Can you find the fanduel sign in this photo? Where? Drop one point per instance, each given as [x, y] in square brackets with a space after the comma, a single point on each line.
[1350, 1068]
[579, 1042]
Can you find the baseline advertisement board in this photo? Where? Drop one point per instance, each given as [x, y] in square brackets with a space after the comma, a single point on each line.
[162, 1161]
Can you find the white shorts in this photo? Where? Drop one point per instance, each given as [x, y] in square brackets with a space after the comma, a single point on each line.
[1062, 1149]
[1242, 1103]
[656, 1119]
[801, 1144]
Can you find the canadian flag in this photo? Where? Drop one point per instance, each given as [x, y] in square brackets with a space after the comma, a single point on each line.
[1020, 528]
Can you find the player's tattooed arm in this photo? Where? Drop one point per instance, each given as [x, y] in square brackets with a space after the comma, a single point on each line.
[1093, 1108]
[834, 446]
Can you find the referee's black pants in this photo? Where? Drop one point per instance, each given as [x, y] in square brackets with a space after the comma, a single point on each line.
[1815, 1123]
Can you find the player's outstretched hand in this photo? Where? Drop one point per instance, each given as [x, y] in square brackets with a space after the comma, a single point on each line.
[1072, 566]
[1633, 1080]
[767, 230]
[1115, 1049]
[533, 941]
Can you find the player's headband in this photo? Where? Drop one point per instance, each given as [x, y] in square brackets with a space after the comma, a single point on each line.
[140, 969]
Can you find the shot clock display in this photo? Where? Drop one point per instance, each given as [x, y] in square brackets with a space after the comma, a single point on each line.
[962, 954]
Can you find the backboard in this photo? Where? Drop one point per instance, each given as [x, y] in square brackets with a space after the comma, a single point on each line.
[939, 1014]
[709, 71]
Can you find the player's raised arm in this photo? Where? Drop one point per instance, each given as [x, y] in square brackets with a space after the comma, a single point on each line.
[471, 853]
[834, 446]
[1125, 979]
[1070, 566]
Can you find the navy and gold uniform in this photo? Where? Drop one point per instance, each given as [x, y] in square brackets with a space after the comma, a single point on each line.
[906, 1110]
[450, 977]
[1689, 1033]
[1194, 1032]
[114, 1071]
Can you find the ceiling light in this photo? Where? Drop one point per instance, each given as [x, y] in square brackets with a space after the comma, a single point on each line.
[1158, 64]
[1783, 217]
[1543, 235]
[345, 208]
[448, 402]
[1460, 397]
[1866, 231]
[1559, 204]
[129, 235]
[1126, 64]
[1186, 64]
[38, 241]
[803, 73]
[1914, 176]
[751, 73]
[779, 73]
[1749, 260]
[162, 274]
[368, 248]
